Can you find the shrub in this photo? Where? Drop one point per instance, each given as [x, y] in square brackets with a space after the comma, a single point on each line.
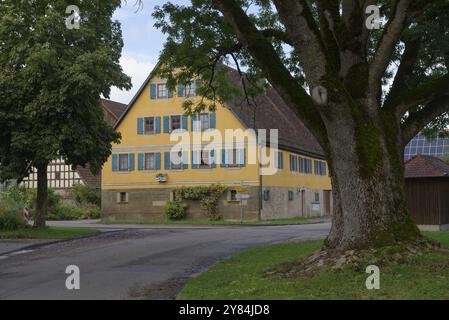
[91, 211]
[11, 218]
[13, 200]
[85, 195]
[65, 211]
[175, 210]
[54, 200]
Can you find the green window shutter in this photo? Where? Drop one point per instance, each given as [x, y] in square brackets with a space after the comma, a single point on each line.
[242, 158]
[166, 124]
[157, 125]
[170, 94]
[157, 160]
[167, 162]
[195, 160]
[223, 158]
[193, 124]
[114, 162]
[153, 91]
[184, 122]
[213, 160]
[180, 90]
[185, 160]
[140, 157]
[131, 162]
[212, 120]
[139, 126]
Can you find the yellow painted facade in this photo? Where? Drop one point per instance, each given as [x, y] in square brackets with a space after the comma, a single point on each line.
[285, 178]
[135, 143]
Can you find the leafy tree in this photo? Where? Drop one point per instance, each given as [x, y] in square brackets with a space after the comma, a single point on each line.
[331, 68]
[51, 81]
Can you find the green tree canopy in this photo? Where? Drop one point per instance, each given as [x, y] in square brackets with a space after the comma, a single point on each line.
[51, 81]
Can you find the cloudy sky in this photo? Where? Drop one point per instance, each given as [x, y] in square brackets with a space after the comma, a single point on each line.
[143, 43]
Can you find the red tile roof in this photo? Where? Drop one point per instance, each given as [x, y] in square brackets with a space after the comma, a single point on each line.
[422, 166]
[115, 108]
[88, 178]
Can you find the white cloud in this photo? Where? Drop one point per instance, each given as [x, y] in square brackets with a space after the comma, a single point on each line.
[138, 70]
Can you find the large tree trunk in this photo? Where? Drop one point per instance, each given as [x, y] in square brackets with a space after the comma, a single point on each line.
[42, 195]
[367, 172]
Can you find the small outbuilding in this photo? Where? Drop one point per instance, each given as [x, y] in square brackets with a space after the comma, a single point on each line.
[427, 191]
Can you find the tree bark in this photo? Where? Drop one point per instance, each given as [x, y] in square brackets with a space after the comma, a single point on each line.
[367, 174]
[42, 195]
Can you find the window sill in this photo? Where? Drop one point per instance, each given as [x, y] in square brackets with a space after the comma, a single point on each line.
[123, 172]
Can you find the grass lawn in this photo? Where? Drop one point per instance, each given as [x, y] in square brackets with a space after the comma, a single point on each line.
[241, 277]
[298, 220]
[47, 233]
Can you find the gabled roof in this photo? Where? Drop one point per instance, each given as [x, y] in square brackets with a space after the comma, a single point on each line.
[271, 113]
[88, 178]
[422, 166]
[115, 108]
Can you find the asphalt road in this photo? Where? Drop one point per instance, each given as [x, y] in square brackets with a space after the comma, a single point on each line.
[135, 263]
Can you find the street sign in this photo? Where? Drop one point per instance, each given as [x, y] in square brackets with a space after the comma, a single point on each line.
[244, 196]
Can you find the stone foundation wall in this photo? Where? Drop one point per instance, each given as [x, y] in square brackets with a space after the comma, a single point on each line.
[304, 203]
[149, 204]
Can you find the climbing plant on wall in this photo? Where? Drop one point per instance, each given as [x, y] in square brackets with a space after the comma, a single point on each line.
[208, 197]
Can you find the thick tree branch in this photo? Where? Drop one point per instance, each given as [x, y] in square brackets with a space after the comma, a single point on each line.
[329, 19]
[413, 97]
[404, 73]
[391, 35]
[355, 36]
[418, 120]
[277, 34]
[301, 26]
[267, 58]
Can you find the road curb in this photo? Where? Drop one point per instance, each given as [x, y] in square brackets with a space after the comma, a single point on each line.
[41, 245]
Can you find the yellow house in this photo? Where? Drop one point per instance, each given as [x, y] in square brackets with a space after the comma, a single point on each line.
[162, 149]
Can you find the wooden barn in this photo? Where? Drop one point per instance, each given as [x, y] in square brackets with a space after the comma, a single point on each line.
[427, 190]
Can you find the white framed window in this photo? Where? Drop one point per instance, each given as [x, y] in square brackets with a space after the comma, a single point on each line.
[204, 121]
[149, 126]
[162, 91]
[176, 160]
[149, 161]
[175, 123]
[205, 159]
[122, 197]
[233, 195]
[123, 162]
[190, 90]
[232, 158]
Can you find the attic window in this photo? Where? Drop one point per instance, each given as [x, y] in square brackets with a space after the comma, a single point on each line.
[190, 89]
[162, 91]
